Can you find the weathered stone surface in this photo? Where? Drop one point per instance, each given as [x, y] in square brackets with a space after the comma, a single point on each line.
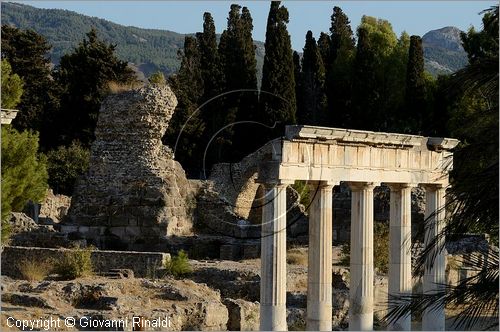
[54, 207]
[141, 263]
[26, 232]
[243, 315]
[132, 179]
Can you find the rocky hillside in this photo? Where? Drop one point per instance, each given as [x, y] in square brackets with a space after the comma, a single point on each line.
[443, 51]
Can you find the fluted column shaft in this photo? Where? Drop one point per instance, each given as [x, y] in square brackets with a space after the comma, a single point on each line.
[319, 277]
[400, 282]
[433, 319]
[273, 260]
[362, 275]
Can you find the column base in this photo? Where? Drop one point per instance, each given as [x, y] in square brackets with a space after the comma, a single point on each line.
[402, 324]
[361, 322]
[320, 317]
[273, 317]
[433, 320]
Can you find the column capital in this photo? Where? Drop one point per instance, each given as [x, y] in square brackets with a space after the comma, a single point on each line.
[323, 183]
[434, 186]
[277, 183]
[362, 185]
[399, 186]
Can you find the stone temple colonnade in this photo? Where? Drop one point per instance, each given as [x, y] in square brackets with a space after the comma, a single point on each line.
[324, 157]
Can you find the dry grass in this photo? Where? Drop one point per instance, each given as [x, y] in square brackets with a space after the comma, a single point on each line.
[296, 257]
[117, 87]
[34, 270]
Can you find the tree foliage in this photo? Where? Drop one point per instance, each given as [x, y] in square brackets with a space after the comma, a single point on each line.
[12, 86]
[339, 70]
[186, 127]
[313, 106]
[278, 103]
[472, 201]
[65, 165]
[85, 74]
[237, 53]
[26, 52]
[24, 173]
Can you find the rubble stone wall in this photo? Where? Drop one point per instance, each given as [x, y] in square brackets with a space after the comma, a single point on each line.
[133, 192]
[142, 263]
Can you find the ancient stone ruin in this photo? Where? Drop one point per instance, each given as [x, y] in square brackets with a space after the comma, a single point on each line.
[134, 193]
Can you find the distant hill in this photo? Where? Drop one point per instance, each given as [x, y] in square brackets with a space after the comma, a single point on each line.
[150, 50]
[443, 51]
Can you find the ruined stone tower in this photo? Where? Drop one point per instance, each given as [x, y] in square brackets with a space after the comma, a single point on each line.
[134, 194]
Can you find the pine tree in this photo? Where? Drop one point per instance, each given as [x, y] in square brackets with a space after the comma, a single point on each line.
[24, 173]
[313, 85]
[237, 53]
[339, 69]
[12, 86]
[186, 127]
[278, 103]
[415, 85]
[86, 74]
[27, 52]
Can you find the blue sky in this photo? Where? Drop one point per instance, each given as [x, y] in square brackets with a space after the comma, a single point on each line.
[414, 17]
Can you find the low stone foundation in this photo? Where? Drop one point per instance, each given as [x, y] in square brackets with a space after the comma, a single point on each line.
[142, 263]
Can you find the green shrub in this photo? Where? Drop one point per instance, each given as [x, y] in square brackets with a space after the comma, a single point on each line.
[75, 263]
[304, 191]
[24, 173]
[380, 250]
[65, 165]
[157, 78]
[178, 266]
[345, 254]
[381, 246]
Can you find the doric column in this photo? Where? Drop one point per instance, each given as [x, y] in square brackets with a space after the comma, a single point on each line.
[319, 274]
[400, 248]
[273, 260]
[434, 277]
[362, 276]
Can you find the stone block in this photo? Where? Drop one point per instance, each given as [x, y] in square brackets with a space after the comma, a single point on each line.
[243, 315]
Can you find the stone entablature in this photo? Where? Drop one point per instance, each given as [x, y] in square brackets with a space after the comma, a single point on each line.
[322, 154]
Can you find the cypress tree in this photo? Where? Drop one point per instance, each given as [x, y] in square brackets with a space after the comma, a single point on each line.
[339, 69]
[415, 85]
[187, 85]
[313, 87]
[277, 73]
[364, 95]
[212, 114]
[237, 52]
[324, 48]
[297, 74]
[342, 38]
[210, 66]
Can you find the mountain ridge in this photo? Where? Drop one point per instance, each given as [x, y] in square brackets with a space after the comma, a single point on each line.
[150, 50]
